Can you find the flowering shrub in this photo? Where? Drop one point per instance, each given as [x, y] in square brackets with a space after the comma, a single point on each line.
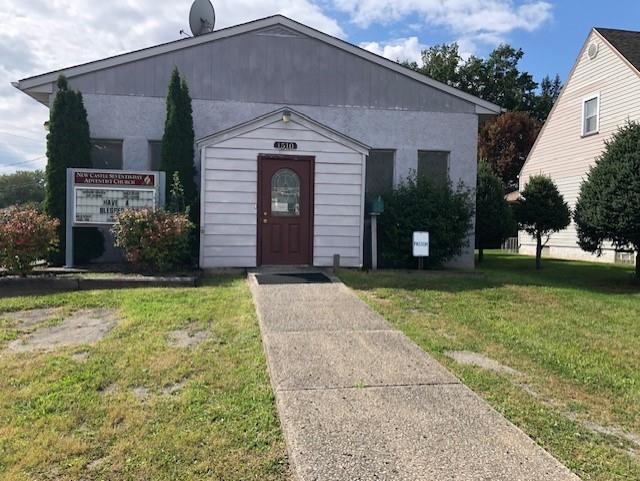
[26, 235]
[154, 239]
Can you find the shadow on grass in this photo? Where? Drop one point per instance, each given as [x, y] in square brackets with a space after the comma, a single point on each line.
[499, 270]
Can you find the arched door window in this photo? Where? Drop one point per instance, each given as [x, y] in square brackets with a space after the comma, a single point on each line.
[285, 193]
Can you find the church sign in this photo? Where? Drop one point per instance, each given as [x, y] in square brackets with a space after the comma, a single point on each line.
[96, 197]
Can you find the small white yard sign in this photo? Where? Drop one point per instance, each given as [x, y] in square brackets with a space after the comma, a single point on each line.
[420, 244]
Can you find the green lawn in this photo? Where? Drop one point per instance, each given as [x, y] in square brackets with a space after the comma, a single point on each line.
[66, 418]
[572, 330]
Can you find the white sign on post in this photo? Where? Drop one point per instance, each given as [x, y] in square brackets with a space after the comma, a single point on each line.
[420, 244]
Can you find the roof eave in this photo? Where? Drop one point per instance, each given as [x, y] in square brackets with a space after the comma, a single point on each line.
[251, 124]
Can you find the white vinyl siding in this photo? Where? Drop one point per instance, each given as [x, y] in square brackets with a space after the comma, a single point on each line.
[563, 151]
[230, 195]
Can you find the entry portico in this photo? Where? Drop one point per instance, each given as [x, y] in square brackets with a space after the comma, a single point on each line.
[281, 189]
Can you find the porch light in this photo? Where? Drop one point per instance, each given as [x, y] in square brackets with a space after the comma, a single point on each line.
[286, 116]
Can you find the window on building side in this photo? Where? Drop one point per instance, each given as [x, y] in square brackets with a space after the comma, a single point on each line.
[155, 154]
[106, 154]
[590, 115]
[379, 179]
[433, 165]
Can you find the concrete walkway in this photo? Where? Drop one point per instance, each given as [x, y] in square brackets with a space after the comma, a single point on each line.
[360, 401]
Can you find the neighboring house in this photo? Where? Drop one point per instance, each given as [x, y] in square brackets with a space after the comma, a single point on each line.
[295, 129]
[600, 95]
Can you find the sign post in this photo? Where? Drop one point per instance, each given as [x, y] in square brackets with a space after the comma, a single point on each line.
[95, 197]
[420, 247]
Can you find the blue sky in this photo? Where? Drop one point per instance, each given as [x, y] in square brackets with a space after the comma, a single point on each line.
[40, 35]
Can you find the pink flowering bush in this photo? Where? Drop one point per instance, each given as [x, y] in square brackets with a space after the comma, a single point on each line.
[154, 239]
[26, 236]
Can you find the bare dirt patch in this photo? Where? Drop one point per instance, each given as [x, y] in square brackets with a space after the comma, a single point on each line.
[480, 360]
[25, 321]
[187, 337]
[85, 326]
[173, 388]
[80, 357]
[142, 393]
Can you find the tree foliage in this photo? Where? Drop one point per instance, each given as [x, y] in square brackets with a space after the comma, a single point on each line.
[22, 187]
[68, 146]
[608, 207]
[26, 236]
[178, 151]
[179, 138]
[415, 205]
[541, 212]
[494, 219]
[497, 78]
[505, 141]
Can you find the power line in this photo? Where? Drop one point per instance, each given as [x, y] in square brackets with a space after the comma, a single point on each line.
[33, 139]
[23, 161]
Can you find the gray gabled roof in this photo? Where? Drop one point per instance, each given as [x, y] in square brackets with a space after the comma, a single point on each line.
[42, 83]
[626, 42]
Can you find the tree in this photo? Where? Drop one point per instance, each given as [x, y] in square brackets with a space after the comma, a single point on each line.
[608, 206]
[22, 187]
[549, 93]
[178, 149]
[68, 146]
[504, 83]
[504, 143]
[497, 78]
[442, 63]
[494, 219]
[179, 139]
[541, 212]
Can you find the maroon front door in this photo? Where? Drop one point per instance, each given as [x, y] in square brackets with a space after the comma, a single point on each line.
[285, 210]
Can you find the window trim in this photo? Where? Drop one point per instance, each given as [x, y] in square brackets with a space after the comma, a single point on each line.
[596, 96]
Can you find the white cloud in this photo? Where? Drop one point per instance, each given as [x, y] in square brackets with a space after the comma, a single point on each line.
[43, 35]
[398, 50]
[472, 21]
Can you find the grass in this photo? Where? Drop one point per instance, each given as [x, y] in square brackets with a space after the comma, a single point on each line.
[572, 330]
[68, 419]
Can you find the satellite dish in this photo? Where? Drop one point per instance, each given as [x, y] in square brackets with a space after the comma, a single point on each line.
[202, 17]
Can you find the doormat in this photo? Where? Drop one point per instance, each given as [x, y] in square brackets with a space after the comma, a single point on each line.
[290, 278]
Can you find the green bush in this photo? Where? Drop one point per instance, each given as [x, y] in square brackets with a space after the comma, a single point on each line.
[26, 236]
[153, 239]
[418, 205]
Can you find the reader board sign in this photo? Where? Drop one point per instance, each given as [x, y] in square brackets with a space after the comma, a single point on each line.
[420, 244]
[98, 196]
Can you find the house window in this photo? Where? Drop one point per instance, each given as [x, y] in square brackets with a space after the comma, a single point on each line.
[433, 165]
[155, 154]
[591, 115]
[379, 179]
[106, 154]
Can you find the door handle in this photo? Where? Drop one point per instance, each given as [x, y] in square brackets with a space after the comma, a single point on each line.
[264, 221]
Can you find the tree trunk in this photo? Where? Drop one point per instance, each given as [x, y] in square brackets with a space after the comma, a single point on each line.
[538, 251]
[480, 255]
